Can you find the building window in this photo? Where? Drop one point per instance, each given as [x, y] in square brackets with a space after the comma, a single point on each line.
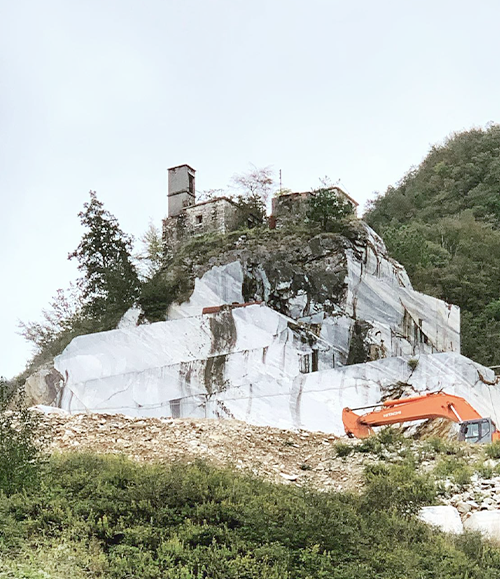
[315, 360]
[199, 219]
[191, 183]
[175, 408]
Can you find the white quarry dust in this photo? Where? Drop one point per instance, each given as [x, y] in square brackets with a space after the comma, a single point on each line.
[273, 454]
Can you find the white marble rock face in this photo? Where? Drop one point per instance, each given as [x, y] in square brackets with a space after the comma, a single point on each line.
[379, 293]
[255, 364]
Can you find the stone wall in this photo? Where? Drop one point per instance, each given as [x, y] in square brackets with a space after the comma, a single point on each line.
[293, 206]
[215, 215]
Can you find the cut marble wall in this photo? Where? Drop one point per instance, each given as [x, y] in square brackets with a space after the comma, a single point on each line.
[147, 369]
[399, 320]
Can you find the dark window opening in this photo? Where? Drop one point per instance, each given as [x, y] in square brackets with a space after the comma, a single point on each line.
[175, 408]
[199, 219]
[315, 360]
[305, 364]
[191, 183]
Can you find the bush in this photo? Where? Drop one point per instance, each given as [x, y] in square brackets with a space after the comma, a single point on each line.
[437, 445]
[342, 449]
[111, 518]
[397, 488]
[20, 459]
[413, 363]
[493, 450]
[456, 470]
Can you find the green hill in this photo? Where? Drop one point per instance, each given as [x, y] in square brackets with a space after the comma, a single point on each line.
[442, 222]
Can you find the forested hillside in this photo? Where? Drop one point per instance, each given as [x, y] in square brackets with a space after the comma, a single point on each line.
[442, 222]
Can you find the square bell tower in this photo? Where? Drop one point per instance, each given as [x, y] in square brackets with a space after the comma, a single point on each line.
[181, 189]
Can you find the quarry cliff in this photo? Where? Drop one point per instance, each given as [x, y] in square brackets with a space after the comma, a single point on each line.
[277, 328]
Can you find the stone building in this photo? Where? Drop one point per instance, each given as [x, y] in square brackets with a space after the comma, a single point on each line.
[293, 206]
[187, 218]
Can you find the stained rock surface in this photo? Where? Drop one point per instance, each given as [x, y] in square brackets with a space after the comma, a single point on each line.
[358, 299]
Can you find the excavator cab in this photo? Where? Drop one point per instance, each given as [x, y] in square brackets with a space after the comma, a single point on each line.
[477, 431]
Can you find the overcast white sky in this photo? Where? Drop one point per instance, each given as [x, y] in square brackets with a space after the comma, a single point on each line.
[107, 94]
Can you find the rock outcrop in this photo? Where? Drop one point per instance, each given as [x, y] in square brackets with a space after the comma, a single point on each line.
[444, 517]
[358, 299]
[486, 523]
[295, 360]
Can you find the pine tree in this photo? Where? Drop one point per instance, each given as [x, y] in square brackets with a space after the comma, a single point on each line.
[110, 282]
[326, 208]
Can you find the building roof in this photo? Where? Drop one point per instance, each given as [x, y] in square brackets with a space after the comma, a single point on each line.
[215, 199]
[183, 165]
[306, 193]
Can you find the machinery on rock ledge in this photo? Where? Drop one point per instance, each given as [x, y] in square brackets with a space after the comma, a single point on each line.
[473, 427]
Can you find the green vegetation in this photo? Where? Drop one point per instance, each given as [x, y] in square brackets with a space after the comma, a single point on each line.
[457, 470]
[493, 450]
[20, 459]
[413, 363]
[442, 222]
[110, 282]
[108, 287]
[328, 210]
[95, 516]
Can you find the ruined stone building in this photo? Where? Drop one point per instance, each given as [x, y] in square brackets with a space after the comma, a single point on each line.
[187, 218]
[293, 206]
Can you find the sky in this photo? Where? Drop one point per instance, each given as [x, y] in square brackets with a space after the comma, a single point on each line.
[105, 95]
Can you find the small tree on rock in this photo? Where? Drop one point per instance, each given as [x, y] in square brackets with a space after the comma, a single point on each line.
[110, 282]
[326, 208]
[152, 256]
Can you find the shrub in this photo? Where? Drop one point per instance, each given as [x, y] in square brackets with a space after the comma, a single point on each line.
[105, 516]
[342, 449]
[493, 450]
[438, 445]
[397, 488]
[457, 470]
[413, 363]
[20, 459]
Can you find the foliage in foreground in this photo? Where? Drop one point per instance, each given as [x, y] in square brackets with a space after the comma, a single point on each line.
[108, 517]
[20, 459]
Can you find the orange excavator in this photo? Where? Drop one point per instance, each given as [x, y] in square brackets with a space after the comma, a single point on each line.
[473, 427]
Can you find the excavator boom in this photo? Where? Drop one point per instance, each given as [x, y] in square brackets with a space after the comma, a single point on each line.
[432, 405]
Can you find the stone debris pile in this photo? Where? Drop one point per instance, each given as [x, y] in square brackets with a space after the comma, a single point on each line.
[273, 454]
[481, 495]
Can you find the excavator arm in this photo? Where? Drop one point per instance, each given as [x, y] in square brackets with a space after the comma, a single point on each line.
[432, 405]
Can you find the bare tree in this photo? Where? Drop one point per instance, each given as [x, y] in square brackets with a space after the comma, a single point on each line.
[254, 183]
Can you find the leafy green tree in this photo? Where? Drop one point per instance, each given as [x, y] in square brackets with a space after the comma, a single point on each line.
[110, 282]
[20, 458]
[251, 211]
[152, 256]
[442, 222]
[326, 208]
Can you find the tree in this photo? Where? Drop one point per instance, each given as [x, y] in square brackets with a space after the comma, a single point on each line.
[110, 283]
[255, 183]
[20, 458]
[61, 316]
[327, 208]
[152, 256]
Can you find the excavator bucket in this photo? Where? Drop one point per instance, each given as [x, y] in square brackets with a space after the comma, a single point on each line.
[353, 425]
